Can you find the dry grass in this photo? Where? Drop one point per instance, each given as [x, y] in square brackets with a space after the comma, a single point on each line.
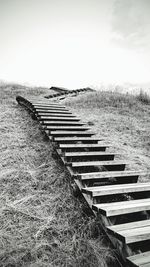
[143, 97]
[100, 99]
[41, 222]
[121, 120]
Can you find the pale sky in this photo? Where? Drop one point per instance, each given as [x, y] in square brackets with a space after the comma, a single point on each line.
[75, 43]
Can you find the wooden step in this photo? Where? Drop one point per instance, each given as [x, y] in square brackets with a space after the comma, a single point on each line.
[99, 163]
[67, 140]
[50, 108]
[110, 174]
[122, 207]
[68, 128]
[37, 101]
[47, 102]
[139, 260]
[52, 104]
[97, 191]
[52, 111]
[71, 133]
[44, 101]
[82, 147]
[59, 115]
[86, 156]
[71, 123]
[58, 118]
[89, 154]
[131, 232]
[47, 105]
[86, 153]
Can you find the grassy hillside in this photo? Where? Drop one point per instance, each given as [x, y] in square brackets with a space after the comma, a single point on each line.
[121, 119]
[41, 222]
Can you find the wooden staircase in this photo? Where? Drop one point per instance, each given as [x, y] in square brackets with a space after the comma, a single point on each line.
[111, 191]
[61, 94]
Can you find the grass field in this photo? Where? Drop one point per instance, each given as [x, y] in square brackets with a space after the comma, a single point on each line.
[41, 222]
[121, 119]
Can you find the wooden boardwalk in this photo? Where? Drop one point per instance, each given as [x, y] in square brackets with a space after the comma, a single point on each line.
[112, 192]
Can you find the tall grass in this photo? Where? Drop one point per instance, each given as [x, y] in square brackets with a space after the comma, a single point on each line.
[143, 97]
[101, 99]
[119, 102]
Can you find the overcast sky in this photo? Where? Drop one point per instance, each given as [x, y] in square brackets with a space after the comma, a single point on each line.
[75, 43]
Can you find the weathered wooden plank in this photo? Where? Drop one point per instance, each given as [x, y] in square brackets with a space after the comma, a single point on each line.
[83, 148]
[98, 155]
[110, 174]
[134, 235]
[48, 102]
[140, 260]
[78, 139]
[70, 133]
[44, 100]
[47, 105]
[87, 153]
[71, 123]
[55, 114]
[73, 139]
[50, 108]
[99, 163]
[83, 145]
[51, 112]
[122, 207]
[130, 225]
[54, 104]
[59, 117]
[37, 101]
[145, 265]
[68, 128]
[96, 191]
